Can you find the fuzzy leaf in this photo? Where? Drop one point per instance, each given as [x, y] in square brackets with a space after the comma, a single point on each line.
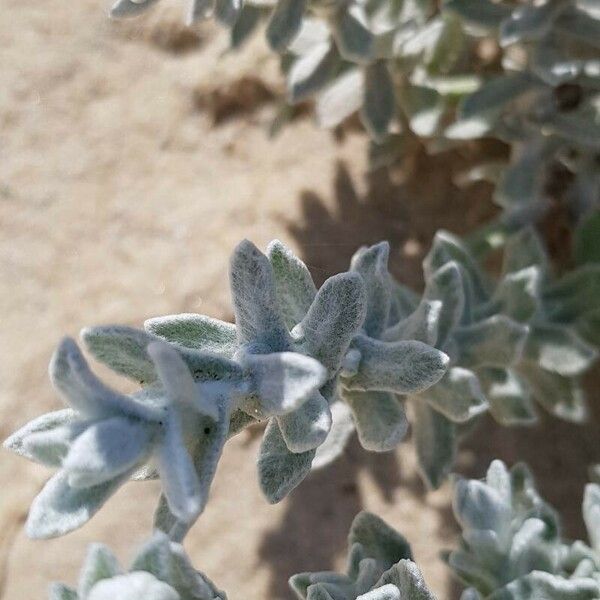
[59, 508]
[379, 101]
[422, 325]
[72, 377]
[227, 11]
[587, 240]
[523, 250]
[197, 332]
[311, 71]
[424, 108]
[385, 592]
[58, 591]
[333, 319]
[342, 97]
[406, 577]
[457, 395]
[342, 427]
[518, 294]
[280, 470]
[559, 350]
[380, 419]
[497, 342]
[105, 450]
[129, 8]
[574, 294]
[56, 427]
[401, 367]
[100, 563]
[354, 40]
[306, 427]
[435, 443]
[245, 25]
[198, 11]
[154, 557]
[371, 263]
[378, 540]
[257, 317]
[591, 513]
[133, 586]
[545, 585]
[294, 285]
[482, 13]
[285, 23]
[282, 381]
[508, 397]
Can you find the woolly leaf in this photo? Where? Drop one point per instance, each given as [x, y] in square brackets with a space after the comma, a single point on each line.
[100, 563]
[311, 71]
[497, 341]
[45, 439]
[435, 443]
[574, 294]
[482, 13]
[380, 419]
[342, 97]
[306, 427]
[379, 102]
[587, 240]
[280, 470]
[123, 349]
[478, 506]
[406, 577]
[283, 381]
[59, 508]
[424, 108]
[559, 350]
[294, 285]
[285, 23]
[333, 319]
[133, 586]
[400, 367]
[518, 294]
[342, 427]
[199, 10]
[385, 592]
[371, 263]
[457, 395]
[378, 540]
[257, 317]
[578, 24]
[154, 557]
[178, 477]
[58, 591]
[508, 397]
[422, 325]
[531, 22]
[523, 250]
[245, 24]
[197, 332]
[105, 450]
[354, 40]
[591, 513]
[227, 11]
[560, 396]
[129, 8]
[545, 585]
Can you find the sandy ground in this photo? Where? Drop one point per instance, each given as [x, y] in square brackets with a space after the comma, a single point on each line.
[120, 199]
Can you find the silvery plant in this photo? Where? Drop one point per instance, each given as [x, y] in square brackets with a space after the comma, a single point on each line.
[512, 548]
[545, 102]
[160, 570]
[379, 567]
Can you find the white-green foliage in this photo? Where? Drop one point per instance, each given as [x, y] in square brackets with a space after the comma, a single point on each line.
[293, 353]
[160, 570]
[380, 567]
[512, 548]
[546, 100]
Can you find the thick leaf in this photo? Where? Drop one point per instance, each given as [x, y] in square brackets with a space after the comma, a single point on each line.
[354, 40]
[385, 592]
[285, 23]
[591, 513]
[295, 288]
[45, 439]
[197, 332]
[545, 585]
[59, 508]
[579, 25]
[482, 13]
[333, 320]
[401, 367]
[280, 470]
[129, 8]
[559, 350]
[378, 540]
[307, 427]
[380, 419]
[518, 294]
[199, 10]
[371, 263]
[133, 586]
[245, 25]
[379, 103]
[435, 443]
[587, 240]
[340, 98]
[523, 250]
[311, 71]
[424, 108]
[496, 342]
[531, 22]
[342, 427]
[100, 563]
[227, 11]
[458, 395]
[478, 506]
[107, 449]
[58, 591]
[574, 294]
[258, 319]
[71, 375]
[154, 557]
[282, 382]
[406, 577]
[508, 397]
[422, 325]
